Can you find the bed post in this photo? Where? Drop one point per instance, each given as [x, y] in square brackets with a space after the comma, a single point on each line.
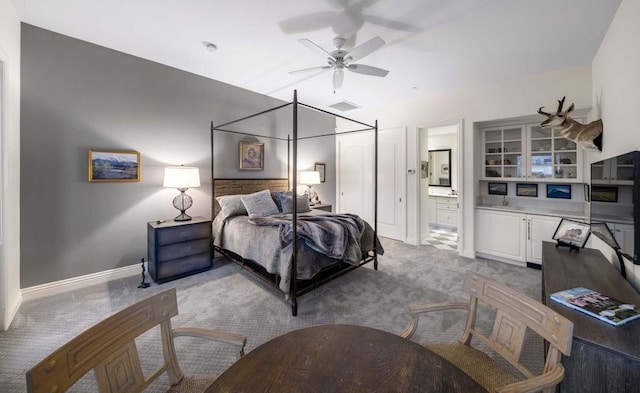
[288, 161]
[375, 198]
[213, 184]
[294, 200]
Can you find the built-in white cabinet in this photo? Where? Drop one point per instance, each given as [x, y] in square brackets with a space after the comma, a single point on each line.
[443, 211]
[528, 152]
[501, 234]
[539, 229]
[623, 233]
[613, 171]
[513, 237]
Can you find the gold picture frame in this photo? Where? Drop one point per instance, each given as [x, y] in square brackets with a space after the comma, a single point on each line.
[114, 166]
[251, 156]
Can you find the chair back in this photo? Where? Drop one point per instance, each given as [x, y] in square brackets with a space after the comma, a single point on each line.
[109, 349]
[514, 314]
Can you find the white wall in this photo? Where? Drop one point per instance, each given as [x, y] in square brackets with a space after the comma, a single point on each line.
[480, 103]
[10, 154]
[616, 83]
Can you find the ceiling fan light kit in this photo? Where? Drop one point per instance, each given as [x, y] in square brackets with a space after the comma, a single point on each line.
[339, 59]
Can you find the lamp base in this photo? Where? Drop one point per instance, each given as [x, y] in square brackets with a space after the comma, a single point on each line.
[182, 217]
[182, 202]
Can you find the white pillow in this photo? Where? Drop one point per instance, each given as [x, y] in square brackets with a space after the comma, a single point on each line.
[231, 205]
[260, 204]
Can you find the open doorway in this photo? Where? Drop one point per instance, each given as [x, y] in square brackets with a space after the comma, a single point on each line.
[440, 181]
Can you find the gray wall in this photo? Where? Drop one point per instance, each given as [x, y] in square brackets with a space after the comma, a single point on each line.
[78, 96]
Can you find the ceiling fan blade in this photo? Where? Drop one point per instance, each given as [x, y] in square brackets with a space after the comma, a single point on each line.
[338, 77]
[310, 69]
[364, 49]
[367, 70]
[315, 47]
[309, 22]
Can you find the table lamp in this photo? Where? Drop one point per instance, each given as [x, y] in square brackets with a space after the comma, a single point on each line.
[182, 178]
[309, 178]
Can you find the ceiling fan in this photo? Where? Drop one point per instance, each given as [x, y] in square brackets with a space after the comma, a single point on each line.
[339, 59]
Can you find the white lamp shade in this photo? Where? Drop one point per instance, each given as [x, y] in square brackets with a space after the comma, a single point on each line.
[181, 177]
[309, 178]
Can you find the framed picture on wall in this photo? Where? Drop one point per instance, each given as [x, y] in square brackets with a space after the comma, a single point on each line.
[251, 156]
[497, 188]
[114, 166]
[560, 191]
[527, 190]
[604, 194]
[320, 167]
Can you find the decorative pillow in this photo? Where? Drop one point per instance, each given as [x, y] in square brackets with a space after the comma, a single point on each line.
[231, 205]
[260, 204]
[286, 201]
[275, 195]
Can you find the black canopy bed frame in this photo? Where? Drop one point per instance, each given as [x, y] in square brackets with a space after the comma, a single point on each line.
[298, 287]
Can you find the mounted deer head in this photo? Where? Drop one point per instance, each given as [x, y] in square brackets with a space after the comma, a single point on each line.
[588, 136]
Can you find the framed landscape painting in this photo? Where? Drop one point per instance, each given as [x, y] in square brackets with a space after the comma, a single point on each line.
[527, 190]
[560, 191]
[114, 166]
[497, 188]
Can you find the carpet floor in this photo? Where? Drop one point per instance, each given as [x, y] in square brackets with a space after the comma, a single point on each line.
[228, 298]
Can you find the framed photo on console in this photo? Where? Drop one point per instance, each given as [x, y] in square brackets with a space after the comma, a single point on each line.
[572, 233]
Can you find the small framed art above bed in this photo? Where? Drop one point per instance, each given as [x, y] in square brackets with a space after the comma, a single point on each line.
[262, 227]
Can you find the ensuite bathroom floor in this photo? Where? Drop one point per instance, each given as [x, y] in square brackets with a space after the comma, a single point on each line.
[441, 238]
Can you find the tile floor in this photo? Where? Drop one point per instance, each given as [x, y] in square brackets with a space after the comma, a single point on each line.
[441, 238]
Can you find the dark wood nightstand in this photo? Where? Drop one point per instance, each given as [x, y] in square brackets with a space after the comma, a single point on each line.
[178, 248]
[321, 207]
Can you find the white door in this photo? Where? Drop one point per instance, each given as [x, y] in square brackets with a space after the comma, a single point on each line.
[355, 175]
[392, 186]
[539, 229]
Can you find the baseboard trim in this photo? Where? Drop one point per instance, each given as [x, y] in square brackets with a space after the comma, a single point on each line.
[11, 313]
[56, 287]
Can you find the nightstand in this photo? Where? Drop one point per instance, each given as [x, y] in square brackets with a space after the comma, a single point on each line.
[321, 207]
[178, 248]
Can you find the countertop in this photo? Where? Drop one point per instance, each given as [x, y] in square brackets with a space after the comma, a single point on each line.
[535, 210]
[443, 195]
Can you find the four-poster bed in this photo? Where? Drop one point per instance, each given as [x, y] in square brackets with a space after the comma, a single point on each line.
[295, 238]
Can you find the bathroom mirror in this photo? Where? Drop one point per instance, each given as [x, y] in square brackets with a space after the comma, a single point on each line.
[440, 168]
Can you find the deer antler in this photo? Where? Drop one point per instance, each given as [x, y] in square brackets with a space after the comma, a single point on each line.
[540, 111]
[560, 103]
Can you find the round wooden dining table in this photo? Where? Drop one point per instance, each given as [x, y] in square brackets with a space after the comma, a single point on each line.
[342, 358]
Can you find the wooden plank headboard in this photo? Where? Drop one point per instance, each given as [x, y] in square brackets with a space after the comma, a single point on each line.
[245, 186]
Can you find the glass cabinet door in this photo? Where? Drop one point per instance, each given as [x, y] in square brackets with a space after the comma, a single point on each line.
[553, 157]
[503, 152]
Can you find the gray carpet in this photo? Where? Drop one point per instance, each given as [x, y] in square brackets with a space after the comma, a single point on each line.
[230, 299]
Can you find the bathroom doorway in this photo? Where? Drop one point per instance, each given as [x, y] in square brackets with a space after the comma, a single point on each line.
[440, 177]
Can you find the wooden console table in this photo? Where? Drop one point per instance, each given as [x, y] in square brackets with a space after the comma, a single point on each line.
[604, 358]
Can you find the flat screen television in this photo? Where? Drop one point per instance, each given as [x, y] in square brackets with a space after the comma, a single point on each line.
[615, 201]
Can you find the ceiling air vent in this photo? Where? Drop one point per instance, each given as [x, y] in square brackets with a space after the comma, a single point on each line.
[344, 106]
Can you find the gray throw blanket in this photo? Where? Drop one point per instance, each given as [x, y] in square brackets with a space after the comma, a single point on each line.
[337, 236]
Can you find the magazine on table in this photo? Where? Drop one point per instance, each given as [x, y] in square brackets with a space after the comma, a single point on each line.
[597, 305]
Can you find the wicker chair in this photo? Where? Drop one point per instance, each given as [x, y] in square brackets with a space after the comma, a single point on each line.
[514, 314]
[109, 348]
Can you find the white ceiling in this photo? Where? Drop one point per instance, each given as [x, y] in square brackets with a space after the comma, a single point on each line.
[432, 46]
